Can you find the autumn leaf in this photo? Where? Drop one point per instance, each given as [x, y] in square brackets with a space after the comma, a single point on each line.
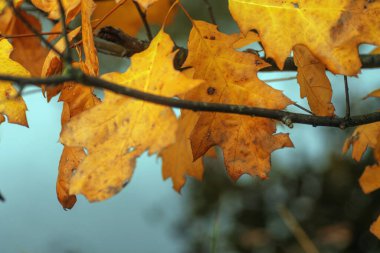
[231, 77]
[3, 4]
[332, 32]
[120, 129]
[53, 64]
[145, 3]
[128, 19]
[375, 93]
[27, 51]
[77, 98]
[177, 159]
[52, 7]
[364, 136]
[91, 60]
[11, 105]
[313, 81]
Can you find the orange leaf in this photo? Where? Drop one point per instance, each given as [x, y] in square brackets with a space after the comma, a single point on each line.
[11, 105]
[370, 179]
[313, 81]
[52, 7]
[332, 32]
[363, 136]
[91, 61]
[375, 228]
[231, 77]
[120, 129]
[127, 18]
[77, 98]
[27, 51]
[53, 64]
[177, 159]
[375, 93]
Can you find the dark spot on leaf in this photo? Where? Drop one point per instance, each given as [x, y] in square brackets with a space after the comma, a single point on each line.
[211, 90]
[212, 37]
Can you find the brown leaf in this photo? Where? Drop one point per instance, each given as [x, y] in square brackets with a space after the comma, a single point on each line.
[313, 81]
[231, 77]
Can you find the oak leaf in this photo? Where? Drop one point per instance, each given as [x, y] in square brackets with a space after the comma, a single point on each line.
[364, 136]
[120, 129]
[11, 104]
[52, 8]
[177, 159]
[332, 30]
[231, 77]
[128, 19]
[313, 81]
[27, 51]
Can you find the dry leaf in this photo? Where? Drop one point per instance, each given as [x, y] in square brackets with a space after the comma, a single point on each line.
[11, 105]
[120, 129]
[332, 30]
[313, 81]
[231, 77]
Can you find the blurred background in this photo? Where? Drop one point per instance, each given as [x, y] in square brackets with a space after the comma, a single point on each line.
[312, 197]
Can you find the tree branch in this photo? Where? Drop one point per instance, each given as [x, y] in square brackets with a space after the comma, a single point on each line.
[76, 75]
[144, 20]
[133, 45]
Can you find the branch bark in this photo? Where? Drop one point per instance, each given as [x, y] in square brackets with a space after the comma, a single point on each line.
[133, 45]
[288, 118]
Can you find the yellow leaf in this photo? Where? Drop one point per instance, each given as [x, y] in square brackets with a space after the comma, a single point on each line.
[120, 129]
[11, 105]
[313, 81]
[332, 30]
[231, 77]
[3, 4]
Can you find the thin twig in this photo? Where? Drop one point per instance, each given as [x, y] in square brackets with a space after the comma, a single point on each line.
[32, 29]
[303, 108]
[293, 225]
[348, 108]
[144, 20]
[210, 11]
[280, 79]
[68, 58]
[77, 75]
[26, 35]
